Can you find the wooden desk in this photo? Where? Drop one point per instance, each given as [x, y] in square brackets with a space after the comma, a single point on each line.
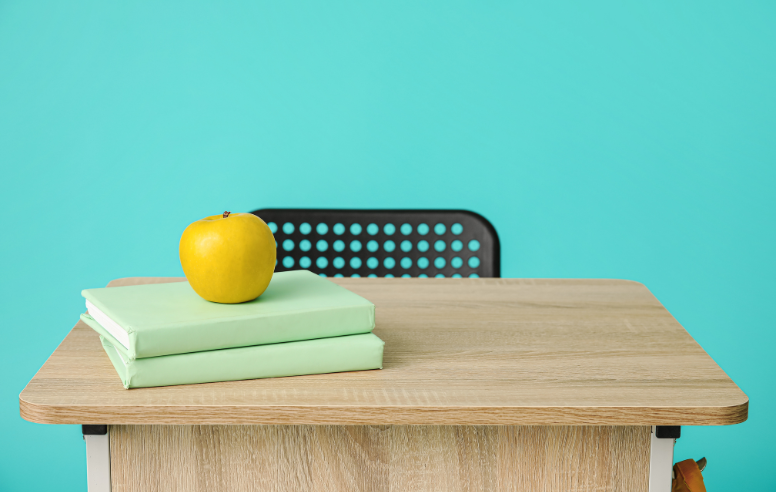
[488, 384]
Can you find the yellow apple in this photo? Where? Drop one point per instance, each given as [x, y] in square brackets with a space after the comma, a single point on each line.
[228, 258]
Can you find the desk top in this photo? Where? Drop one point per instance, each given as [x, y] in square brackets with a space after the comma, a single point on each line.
[457, 352]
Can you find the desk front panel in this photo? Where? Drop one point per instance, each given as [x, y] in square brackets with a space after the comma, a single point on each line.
[379, 458]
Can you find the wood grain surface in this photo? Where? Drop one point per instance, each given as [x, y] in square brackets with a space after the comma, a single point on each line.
[153, 458]
[458, 352]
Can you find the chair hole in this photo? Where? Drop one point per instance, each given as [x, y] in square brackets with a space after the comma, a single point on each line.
[422, 262]
[388, 275]
[372, 246]
[372, 263]
[456, 228]
[406, 275]
[288, 228]
[456, 262]
[355, 229]
[355, 263]
[305, 245]
[422, 275]
[321, 262]
[439, 275]
[372, 275]
[406, 246]
[321, 245]
[439, 262]
[389, 229]
[338, 262]
[288, 245]
[406, 229]
[355, 275]
[338, 229]
[406, 263]
[273, 227]
[322, 229]
[389, 262]
[456, 275]
[474, 262]
[440, 245]
[456, 245]
[355, 245]
[321, 274]
[439, 229]
[305, 262]
[389, 246]
[474, 275]
[338, 245]
[474, 245]
[288, 262]
[423, 229]
[372, 229]
[338, 275]
[423, 246]
[305, 228]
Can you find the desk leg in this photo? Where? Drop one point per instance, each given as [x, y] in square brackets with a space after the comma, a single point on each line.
[661, 460]
[97, 457]
[305, 458]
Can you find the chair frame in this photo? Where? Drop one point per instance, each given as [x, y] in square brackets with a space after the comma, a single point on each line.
[485, 233]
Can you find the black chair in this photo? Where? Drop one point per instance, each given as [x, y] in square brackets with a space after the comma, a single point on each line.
[384, 243]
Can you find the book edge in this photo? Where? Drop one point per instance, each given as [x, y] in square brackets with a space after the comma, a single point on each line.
[135, 368]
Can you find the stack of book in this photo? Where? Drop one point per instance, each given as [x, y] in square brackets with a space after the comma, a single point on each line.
[165, 334]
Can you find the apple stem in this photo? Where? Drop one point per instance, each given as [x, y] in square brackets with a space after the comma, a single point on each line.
[226, 214]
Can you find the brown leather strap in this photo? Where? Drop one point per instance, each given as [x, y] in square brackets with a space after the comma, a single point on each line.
[688, 477]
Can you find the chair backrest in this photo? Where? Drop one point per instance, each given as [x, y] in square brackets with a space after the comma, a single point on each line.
[384, 243]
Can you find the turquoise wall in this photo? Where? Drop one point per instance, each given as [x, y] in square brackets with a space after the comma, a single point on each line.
[610, 139]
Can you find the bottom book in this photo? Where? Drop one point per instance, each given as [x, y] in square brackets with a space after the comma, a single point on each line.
[323, 355]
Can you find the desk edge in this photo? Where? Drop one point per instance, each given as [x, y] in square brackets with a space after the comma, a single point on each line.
[378, 415]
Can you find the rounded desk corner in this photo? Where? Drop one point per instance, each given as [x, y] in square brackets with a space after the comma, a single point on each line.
[636, 283]
[123, 281]
[127, 281]
[32, 412]
[738, 413]
[41, 413]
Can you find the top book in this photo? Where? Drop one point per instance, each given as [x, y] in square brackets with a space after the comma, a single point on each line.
[163, 319]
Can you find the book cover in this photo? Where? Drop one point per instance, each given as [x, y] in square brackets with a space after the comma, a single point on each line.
[153, 320]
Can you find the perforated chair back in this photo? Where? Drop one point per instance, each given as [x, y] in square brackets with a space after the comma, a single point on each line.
[384, 243]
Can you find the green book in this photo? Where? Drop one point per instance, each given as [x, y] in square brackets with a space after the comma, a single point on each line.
[155, 320]
[325, 355]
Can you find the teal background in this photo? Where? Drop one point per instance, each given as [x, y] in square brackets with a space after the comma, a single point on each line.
[603, 139]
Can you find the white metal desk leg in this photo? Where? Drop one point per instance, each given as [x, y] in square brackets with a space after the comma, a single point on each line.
[661, 460]
[97, 458]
